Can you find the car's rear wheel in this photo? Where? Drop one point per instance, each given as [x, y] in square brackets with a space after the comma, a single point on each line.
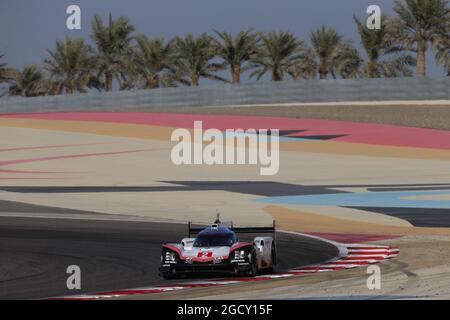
[273, 260]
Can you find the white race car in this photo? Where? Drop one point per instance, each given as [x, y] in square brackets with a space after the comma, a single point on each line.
[216, 249]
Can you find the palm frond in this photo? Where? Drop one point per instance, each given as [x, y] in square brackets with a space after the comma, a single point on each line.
[335, 55]
[278, 53]
[419, 23]
[237, 51]
[28, 82]
[193, 59]
[112, 42]
[386, 56]
[71, 64]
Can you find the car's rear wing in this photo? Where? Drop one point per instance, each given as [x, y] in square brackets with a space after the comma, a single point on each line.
[272, 229]
[193, 231]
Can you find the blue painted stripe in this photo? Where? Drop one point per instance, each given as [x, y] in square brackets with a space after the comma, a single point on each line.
[394, 199]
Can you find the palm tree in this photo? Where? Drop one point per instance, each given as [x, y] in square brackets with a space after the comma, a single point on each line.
[420, 23]
[279, 53]
[305, 67]
[350, 63]
[336, 56]
[5, 73]
[70, 65]
[193, 57]
[112, 43]
[151, 62]
[442, 49]
[384, 56]
[29, 82]
[236, 51]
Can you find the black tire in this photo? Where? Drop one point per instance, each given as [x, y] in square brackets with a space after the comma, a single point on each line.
[253, 272]
[168, 275]
[273, 260]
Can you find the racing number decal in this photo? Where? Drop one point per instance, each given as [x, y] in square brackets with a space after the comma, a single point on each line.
[203, 254]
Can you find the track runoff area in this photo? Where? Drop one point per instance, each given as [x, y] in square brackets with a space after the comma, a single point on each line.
[363, 206]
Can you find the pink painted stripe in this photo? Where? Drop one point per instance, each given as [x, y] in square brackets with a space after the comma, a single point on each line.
[352, 238]
[32, 172]
[364, 248]
[19, 161]
[44, 147]
[366, 133]
[367, 258]
[33, 178]
[324, 267]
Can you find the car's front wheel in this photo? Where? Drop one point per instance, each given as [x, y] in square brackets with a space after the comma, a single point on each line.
[168, 275]
[253, 267]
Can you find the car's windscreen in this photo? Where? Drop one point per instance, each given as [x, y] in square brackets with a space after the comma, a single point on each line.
[214, 240]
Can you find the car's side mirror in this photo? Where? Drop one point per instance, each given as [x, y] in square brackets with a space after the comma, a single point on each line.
[259, 244]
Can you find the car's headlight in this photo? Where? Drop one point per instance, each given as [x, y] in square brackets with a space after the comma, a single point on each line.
[239, 254]
[170, 256]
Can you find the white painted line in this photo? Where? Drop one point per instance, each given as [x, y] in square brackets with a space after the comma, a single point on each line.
[368, 250]
[365, 255]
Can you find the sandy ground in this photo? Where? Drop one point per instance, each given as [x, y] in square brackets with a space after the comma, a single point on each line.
[103, 160]
[298, 220]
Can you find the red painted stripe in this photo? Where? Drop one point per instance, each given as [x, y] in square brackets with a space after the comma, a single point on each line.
[323, 267]
[11, 162]
[129, 292]
[350, 262]
[43, 147]
[354, 132]
[360, 258]
[368, 248]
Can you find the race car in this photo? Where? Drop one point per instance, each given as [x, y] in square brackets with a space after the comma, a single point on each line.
[216, 249]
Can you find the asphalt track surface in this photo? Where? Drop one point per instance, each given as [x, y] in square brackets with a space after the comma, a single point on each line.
[35, 252]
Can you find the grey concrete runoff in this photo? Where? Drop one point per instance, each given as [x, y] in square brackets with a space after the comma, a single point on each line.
[258, 93]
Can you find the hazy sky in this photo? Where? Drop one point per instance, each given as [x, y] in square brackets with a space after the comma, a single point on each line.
[29, 27]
